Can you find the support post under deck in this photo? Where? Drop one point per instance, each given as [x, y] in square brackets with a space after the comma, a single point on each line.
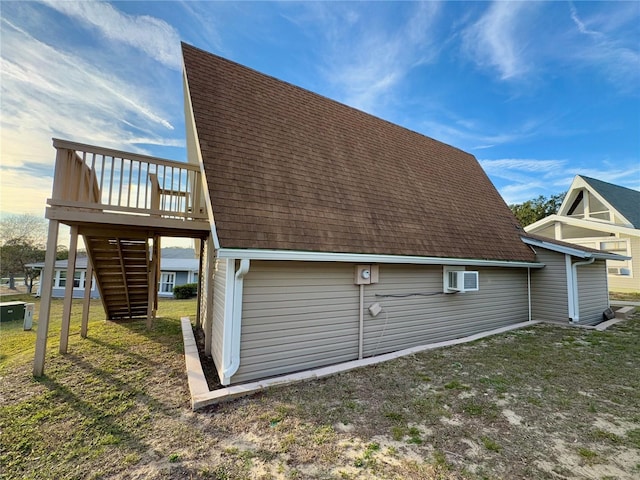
[68, 291]
[86, 302]
[45, 295]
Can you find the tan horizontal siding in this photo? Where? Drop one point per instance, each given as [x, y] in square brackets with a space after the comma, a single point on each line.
[434, 316]
[297, 316]
[301, 315]
[549, 298]
[592, 288]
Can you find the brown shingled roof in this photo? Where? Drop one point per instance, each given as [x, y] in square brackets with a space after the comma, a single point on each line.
[288, 169]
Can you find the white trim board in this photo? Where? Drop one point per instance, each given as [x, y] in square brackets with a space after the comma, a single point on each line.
[590, 224]
[575, 252]
[305, 256]
[200, 399]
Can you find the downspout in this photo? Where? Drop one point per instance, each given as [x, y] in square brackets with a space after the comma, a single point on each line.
[570, 287]
[361, 328]
[576, 296]
[529, 290]
[233, 359]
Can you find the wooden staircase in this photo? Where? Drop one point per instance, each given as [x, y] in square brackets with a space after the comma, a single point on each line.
[123, 272]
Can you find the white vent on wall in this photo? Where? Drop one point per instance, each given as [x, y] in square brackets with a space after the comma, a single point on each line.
[462, 281]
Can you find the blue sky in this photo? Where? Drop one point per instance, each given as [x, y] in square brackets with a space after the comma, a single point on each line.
[538, 92]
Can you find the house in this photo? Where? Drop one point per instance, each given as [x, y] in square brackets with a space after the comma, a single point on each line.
[601, 216]
[173, 272]
[326, 235]
[337, 235]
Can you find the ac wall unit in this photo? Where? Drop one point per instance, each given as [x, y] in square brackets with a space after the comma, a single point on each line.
[463, 281]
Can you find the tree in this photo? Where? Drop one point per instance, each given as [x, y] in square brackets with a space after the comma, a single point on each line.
[533, 210]
[22, 241]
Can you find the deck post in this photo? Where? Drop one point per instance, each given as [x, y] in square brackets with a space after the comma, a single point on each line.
[68, 291]
[156, 246]
[45, 295]
[152, 299]
[86, 302]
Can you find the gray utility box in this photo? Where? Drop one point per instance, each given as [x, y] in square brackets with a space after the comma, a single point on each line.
[11, 311]
[28, 315]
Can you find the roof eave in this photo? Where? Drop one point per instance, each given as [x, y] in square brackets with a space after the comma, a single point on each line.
[575, 252]
[580, 222]
[308, 256]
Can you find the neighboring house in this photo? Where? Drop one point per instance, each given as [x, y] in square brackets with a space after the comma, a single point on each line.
[173, 272]
[337, 235]
[602, 216]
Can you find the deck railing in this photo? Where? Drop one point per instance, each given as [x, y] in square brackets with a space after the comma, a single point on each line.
[105, 180]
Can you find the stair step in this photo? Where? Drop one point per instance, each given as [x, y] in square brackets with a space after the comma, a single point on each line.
[122, 270]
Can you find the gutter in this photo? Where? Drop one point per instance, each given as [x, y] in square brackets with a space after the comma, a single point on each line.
[233, 323]
[309, 256]
[529, 292]
[576, 296]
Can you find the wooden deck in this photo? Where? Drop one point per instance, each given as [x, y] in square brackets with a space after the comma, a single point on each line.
[121, 204]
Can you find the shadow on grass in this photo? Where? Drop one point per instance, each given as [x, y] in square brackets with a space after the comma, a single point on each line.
[101, 423]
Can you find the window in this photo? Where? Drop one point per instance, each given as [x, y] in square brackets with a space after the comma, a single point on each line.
[620, 247]
[167, 282]
[79, 279]
[61, 279]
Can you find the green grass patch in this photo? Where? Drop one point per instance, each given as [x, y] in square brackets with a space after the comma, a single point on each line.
[455, 385]
[588, 455]
[490, 444]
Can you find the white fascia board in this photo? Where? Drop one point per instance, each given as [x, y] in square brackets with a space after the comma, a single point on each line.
[556, 248]
[575, 252]
[568, 197]
[193, 149]
[543, 222]
[590, 224]
[304, 256]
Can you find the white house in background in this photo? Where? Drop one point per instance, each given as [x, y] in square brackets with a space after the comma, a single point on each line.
[602, 216]
[173, 272]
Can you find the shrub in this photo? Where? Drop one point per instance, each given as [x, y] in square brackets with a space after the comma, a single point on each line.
[188, 290]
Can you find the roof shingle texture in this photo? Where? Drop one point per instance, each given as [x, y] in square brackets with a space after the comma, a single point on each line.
[288, 169]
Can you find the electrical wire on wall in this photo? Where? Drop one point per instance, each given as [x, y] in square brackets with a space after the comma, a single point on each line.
[384, 327]
[405, 295]
[386, 315]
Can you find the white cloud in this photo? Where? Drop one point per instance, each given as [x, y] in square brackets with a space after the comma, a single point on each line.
[470, 135]
[612, 50]
[525, 178]
[22, 192]
[580, 24]
[519, 180]
[365, 62]
[497, 39]
[151, 35]
[522, 164]
[48, 92]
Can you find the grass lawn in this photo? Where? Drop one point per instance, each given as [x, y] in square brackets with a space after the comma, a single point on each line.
[544, 402]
